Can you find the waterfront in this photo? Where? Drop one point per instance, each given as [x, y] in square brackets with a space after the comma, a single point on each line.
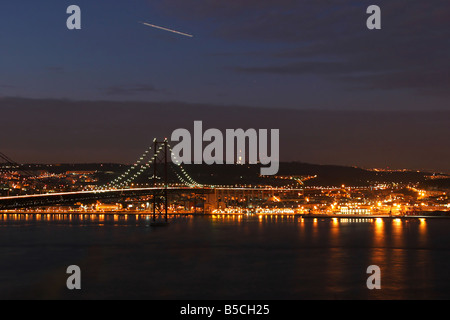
[223, 257]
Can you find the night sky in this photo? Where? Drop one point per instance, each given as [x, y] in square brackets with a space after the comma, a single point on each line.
[338, 92]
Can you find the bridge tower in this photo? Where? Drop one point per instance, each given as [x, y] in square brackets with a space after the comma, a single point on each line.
[160, 194]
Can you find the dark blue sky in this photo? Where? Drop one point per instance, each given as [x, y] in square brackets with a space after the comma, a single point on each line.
[264, 54]
[280, 54]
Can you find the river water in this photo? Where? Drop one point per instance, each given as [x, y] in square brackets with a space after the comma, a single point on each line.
[223, 257]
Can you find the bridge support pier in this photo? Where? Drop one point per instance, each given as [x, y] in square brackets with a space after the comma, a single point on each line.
[160, 196]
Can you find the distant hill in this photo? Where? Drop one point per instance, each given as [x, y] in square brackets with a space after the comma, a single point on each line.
[327, 175]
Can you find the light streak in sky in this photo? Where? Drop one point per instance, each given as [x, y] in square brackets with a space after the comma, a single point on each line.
[166, 29]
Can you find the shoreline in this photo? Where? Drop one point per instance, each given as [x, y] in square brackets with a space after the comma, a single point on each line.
[210, 215]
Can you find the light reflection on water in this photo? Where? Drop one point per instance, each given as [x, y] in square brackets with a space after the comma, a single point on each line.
[223, 257]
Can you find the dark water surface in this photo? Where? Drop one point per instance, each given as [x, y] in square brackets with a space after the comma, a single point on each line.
[223, 258]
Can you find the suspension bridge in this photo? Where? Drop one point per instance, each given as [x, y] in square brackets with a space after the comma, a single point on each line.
[156, 162]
